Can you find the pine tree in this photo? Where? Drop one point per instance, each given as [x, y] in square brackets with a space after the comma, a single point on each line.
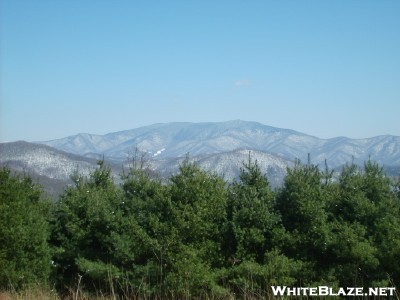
[24, 231]
[366, 227]
[251, 214]
[200, 200]
[252, 236]
[303, 203]
[147, 201]
[86, 231]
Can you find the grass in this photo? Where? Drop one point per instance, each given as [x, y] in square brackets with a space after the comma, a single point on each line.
[32, 293]
[37, 292]
[44, 294]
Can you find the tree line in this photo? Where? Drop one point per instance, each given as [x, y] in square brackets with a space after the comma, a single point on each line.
[200, 237]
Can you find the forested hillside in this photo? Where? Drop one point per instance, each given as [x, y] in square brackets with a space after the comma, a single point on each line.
[200, 237]
[176, 139]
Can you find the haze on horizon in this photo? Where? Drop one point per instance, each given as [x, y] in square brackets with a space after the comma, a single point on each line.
[324, 68]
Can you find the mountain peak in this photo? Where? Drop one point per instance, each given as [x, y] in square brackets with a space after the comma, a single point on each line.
[180, 138]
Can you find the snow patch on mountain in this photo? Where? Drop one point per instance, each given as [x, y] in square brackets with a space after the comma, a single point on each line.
[158, 152]
[204, 139]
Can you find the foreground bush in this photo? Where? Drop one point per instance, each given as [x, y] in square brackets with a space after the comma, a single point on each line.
[24, 252]
[200, 237]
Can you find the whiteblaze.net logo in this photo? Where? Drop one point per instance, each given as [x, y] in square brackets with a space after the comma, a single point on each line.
[329, 291]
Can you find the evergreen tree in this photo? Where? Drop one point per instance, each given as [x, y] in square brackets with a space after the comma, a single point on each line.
[200, 200]
[197, 237]
[253, 233]
[24, 252]
[251, 214]
[366, 231]
[88, 232]
[148, 201]
[302, 202]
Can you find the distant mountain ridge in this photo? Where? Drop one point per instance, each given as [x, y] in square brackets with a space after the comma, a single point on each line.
[216, 147]
[45, 160]
[50, 167]
[53, 168]
[171, 140]
[228, 165]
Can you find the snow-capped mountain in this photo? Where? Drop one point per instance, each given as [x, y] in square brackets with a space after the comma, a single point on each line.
[217, 147]
[50, 167]
[53, 168]
[172, 140]
[228, 165]
[44, 160]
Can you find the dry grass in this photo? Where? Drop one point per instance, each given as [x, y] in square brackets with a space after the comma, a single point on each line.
[34, 293]
[37, 294]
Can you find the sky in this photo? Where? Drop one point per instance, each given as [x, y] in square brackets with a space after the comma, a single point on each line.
[325, 68]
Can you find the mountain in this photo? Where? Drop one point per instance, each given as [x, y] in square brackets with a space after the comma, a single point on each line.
[227, 165]
[50, 167]
[177, 139]
[53, 168]
[174, 140]
[46, 161]
[216, 147]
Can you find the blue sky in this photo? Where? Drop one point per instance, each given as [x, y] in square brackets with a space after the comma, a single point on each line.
[326, 68]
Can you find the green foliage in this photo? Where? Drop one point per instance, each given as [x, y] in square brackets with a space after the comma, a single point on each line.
[87, 228]
[148, 202]
[353, 255]
[396, 188]
[200, 200]
[347, 229]
[192, 276]
[303, 203]
[366, 226]
[249, 279]
[24, 252]
[252, 219]
[198, 237]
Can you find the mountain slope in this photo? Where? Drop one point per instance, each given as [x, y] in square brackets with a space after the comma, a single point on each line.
[50, 167]
[172, 140]
[53, 168]
[46, 161]
[228, 165]
[178, 139]
[383, 149]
